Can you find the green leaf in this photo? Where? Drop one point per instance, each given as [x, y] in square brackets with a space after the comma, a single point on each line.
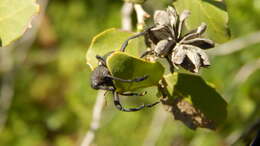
[135, 1]
[15, 18]
[126, 66]
[212, 12]
[171, 80]
[111, 40]
[202, 97]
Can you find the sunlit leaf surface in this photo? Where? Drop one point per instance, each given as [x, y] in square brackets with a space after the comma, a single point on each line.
[15, 18]
[212, 12]
[111, 40]
[128, 67]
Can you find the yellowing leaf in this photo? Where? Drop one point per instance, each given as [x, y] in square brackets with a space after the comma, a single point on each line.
[15, 18]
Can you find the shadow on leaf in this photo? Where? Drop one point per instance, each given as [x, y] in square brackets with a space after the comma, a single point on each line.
[220, 5]
[192, 117]
[194, 102]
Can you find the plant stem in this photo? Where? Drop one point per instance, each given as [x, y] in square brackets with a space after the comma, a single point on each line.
[96, 116]
[141, 16]
[126, 13]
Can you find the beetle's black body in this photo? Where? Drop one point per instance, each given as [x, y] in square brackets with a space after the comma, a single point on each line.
[101, 78]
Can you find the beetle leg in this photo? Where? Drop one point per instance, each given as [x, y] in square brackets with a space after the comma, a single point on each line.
[133, 80]
[133, 94]
[133, 37]
[121, 108]
[152, 104]
[146, 53]
[130, 38]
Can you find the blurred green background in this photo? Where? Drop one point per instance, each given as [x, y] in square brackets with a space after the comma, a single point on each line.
[52, 101]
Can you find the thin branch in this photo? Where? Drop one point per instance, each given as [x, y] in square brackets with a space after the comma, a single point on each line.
[96, 116]
[141, 16]
[159, 118]
[6, 92]
[236, 45]
[244, 135]
[126, 13]
[251, 129]
[245, 71]
[241, 76]
[11, 58]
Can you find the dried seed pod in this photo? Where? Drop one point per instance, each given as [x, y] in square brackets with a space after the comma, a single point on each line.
[166, 40]
[178, 55]
[200, 42]
[162, 48]
[161, 18]
[190, 57]
[173, 16]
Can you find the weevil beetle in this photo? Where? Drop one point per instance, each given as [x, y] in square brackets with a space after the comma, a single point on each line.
[101, 79]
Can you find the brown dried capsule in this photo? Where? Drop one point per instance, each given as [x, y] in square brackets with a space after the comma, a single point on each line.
[186, 50]
[165, 40]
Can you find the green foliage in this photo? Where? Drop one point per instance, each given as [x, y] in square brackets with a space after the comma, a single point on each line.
[53, 102]
[15, 18]
[212, 12]
[111, 40]
[135, 1]
[128, 67]
[200, 94]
